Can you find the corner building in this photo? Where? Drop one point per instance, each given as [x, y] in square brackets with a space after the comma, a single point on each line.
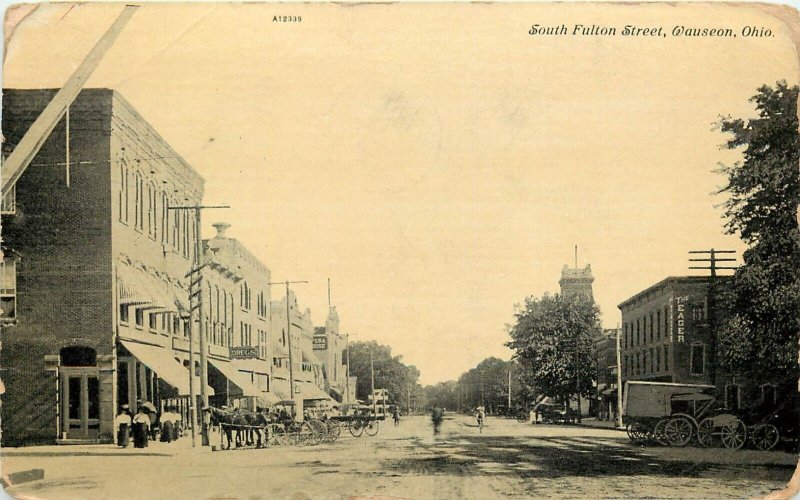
[101, 316]
[665, 332]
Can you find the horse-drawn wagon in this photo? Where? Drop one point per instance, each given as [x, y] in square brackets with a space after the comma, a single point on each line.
[675, 414]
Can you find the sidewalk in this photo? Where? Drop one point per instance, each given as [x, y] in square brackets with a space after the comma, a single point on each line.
[600, 424]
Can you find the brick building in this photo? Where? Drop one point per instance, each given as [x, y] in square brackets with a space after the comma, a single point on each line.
[665, 332]
[238, 318]
[99, 259]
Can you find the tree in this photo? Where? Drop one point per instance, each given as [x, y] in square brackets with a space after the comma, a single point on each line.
[390, 372]
[553, 336]
[760, 335]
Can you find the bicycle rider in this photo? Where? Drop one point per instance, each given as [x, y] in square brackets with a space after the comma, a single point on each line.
[480, 415]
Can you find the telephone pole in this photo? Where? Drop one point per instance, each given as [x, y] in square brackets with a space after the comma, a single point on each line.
[196, 294]
[298, 414]
[712, 260]
[619, 377]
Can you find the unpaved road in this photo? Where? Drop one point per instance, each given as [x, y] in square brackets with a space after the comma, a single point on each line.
[507, 460]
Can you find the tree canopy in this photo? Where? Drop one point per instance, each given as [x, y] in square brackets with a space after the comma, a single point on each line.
[554, 339]
[391, 373]
[760, 333]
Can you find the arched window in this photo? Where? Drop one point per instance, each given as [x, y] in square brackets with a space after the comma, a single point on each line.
[173, 234]
[124, 193]
[78, 356]
[139, 206]
[164, 218]
[185, 233]
[152, 211]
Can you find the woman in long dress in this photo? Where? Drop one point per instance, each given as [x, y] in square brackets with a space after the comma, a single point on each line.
[141, 429]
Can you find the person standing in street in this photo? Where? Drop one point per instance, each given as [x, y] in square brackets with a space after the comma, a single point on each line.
[396, 415]
[437, 415]
[122, 423]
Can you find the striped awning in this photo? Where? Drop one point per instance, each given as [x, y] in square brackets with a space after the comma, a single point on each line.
[143, 290]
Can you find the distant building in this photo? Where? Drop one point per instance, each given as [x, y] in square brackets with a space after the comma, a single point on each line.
[309, 381]
[330, 348]
[577, 281]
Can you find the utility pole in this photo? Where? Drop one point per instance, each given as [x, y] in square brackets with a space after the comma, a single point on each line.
[619, 377]
[347, 382]
[509, 390]
[196, 292]
[298, 415]
[713, 267]
[577, 380]
[372, 382]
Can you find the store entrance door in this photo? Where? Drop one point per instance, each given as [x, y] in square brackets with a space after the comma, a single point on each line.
[80, 400]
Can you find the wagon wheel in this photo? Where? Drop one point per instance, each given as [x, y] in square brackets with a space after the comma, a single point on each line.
[279, 435]
[658, 432]
[320, 431]
[705, 432]
[734, 435]
[371, 428]
[334, 429]
[306, 435]
[356, 428]
[678, 431]
[765, 436]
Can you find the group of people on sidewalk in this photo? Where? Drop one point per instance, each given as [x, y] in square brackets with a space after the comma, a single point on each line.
[147, 424]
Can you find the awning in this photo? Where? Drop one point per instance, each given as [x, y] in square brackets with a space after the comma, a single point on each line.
[139, 288]
[268, 399]
[235, 377]
[161, 361]
[312, 392]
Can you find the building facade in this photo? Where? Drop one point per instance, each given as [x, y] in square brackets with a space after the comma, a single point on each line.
[101, 259]
[577, 281]
[330, 347]
[665, 332]
[101, 265]
[238, 319]
[307, 372]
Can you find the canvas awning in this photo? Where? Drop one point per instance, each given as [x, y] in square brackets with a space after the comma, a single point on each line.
[139, 288]
[310, 392]
[236, 378]
[168, 369]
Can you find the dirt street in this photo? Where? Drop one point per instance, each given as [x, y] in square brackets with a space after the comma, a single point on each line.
[506, 459]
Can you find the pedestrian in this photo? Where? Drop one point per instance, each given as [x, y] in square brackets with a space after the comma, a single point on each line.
[167, 426]
[437, 415]
[152, 414]
[141, 429]
[396, 415]
[122, 423]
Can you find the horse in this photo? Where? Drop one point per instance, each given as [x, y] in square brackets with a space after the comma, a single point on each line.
[225, 420]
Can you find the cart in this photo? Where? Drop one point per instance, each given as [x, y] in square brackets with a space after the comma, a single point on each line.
[673, 414]
[360, 421]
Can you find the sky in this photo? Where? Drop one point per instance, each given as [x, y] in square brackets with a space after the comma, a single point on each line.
[436, 162]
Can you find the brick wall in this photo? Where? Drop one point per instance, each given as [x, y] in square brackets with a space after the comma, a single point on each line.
[64, 274]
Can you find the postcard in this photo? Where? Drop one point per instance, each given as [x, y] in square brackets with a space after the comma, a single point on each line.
[400, 250]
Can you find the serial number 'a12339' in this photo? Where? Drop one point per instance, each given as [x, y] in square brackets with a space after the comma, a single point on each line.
[287, 19]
